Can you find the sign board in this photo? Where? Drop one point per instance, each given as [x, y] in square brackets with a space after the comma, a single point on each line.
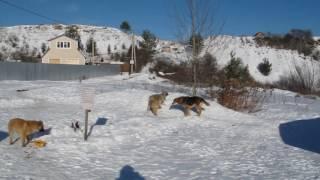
[131, 61]
[87, 97]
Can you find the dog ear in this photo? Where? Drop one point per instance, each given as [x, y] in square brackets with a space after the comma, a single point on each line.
[77, 125]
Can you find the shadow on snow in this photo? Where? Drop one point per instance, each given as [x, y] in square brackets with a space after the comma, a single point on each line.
[3, 135]
[127, 173]
[99, 122]
[304, 134]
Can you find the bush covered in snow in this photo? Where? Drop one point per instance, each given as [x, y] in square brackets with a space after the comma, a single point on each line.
[265, 67]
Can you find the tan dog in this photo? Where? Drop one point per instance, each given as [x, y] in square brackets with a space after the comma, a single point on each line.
[24, 128]
[155, 102]
[188, 103]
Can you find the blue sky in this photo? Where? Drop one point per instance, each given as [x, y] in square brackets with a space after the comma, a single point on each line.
[241, 17]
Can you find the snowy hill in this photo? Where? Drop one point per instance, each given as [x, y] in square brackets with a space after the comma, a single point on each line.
[251, 55]
[278, 142]
[33, 36]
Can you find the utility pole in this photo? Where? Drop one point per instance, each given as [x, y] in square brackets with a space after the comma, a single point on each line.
[134, 54]
[92, 51]
[133, 61]
[194, 50]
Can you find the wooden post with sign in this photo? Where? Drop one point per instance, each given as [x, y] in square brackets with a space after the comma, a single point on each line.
[87, 101]
[86, 124]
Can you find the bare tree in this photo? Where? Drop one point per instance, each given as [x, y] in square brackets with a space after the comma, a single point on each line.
[196, 22]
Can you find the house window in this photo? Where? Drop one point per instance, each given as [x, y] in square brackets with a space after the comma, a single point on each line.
[63, 44]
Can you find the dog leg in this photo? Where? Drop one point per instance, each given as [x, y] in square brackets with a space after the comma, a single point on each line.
[23, 138]
[199, 110]
[10, 137]
[154, 111]
[29, 138]
[186, 111]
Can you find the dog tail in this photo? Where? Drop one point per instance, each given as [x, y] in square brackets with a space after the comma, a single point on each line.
[205, 102]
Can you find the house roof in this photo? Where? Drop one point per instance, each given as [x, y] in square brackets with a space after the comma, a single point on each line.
[60, 36]
[45, 53]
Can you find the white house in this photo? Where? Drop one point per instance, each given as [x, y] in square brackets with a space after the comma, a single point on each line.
[63, 50]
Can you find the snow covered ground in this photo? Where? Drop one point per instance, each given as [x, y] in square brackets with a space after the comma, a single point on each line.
[126, 142]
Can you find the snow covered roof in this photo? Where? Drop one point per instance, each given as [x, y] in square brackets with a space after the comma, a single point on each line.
[62, 35]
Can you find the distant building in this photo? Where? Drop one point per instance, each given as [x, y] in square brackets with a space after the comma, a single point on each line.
[166, 49]
[63, 50]
[169, 48]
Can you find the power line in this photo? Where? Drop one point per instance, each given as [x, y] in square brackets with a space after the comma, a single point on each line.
[30, 11]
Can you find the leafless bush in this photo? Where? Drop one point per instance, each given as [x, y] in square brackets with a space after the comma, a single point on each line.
[301, 79]
[26, 55]
[180, 74]
[248, 99]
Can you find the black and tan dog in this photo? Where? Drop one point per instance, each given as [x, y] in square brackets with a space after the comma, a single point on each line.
[188, 103]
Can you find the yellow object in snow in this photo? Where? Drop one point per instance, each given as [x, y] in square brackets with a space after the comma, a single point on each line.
[39, 143]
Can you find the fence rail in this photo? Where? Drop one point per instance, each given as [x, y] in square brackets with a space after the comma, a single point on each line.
[54, 72]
